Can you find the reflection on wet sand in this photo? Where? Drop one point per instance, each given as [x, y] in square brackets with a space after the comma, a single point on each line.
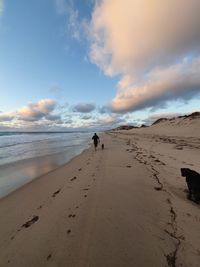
[14, 175]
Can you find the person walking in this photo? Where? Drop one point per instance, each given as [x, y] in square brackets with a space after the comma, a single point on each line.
[96, 140]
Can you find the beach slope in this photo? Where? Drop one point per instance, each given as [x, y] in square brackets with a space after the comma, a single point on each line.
[125, 205]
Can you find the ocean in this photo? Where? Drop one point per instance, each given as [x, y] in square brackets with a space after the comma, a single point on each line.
[25, 156]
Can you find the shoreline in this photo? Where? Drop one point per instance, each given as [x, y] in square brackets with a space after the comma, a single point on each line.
[121, 206]
[51, 162]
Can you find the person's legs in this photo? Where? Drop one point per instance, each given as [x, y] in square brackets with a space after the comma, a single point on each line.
[95, 146]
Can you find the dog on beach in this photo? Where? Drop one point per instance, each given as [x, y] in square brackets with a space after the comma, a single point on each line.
[193, 183]
[102, 146]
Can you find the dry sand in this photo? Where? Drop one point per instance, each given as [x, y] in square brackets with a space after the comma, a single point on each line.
[123, 206]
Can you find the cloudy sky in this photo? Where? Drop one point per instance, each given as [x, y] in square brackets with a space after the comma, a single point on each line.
[97, 63]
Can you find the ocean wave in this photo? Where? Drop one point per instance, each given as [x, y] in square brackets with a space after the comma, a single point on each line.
[19, 147]
[22, 143]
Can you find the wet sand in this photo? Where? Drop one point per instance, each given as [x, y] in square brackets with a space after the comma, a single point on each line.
[16, 174]
[125, 205]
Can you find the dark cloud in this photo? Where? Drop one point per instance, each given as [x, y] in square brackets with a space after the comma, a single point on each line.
[6, 117]
[67, 121]
[86, 117]
[103, 110]
[53, 117]
[84, 107]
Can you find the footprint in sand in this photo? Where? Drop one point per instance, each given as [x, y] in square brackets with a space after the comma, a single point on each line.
[178, 147]
[72, 215]
[57, 192]
[157, 188]
[168, 201]
[68, 231]
[160, 162]
[30, 222]
[49, 257]
[187, 163]
[128, 166]
[80, 169]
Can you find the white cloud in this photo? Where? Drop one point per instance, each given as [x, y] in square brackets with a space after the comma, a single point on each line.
[179, 81]
[1, 7]
[142, 41]
[106, 121]
[61, 6]
[109, 120]
[45, 115]
[132, 35]
[74, 25]
[36, 111]
[41, 115]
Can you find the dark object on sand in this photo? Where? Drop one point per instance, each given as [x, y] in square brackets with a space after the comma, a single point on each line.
[96, 140]
[102, 146]
[193, 183]
[30, 222]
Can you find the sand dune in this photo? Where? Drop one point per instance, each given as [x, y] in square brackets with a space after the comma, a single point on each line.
[187, 126]
[125, 205]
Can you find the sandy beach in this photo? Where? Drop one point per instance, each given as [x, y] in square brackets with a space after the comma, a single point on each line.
[125, 205]
[100, 133]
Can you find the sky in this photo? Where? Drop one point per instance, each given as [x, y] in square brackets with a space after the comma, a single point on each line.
[97, 64]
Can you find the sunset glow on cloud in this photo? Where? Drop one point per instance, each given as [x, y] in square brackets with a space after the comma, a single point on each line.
[35, 111]
[179, 81]
[146, 44]
[97, 63]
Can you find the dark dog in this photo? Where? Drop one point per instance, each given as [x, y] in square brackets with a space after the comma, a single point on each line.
[193, 183]
[102, 146]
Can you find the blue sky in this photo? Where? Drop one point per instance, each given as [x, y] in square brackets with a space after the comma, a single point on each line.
[63, 62]
[38, 53]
